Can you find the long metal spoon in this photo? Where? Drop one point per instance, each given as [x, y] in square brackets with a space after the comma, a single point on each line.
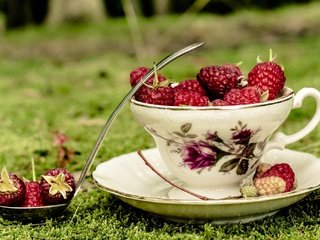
[36, 214]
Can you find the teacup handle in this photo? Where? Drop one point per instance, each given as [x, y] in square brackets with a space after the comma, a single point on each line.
[280, 140]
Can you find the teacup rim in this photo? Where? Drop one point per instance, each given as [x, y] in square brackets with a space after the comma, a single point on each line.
[287, 92]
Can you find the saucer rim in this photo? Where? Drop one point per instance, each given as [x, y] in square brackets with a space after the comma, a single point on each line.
[222, 201]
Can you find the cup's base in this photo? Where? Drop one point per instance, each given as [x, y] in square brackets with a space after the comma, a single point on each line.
[221, 192]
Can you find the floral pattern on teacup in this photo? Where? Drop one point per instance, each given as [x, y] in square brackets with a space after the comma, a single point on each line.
[204, 152]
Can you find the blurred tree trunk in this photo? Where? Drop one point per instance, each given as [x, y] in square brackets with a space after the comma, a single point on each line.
[137, 6]
[161, 7]
[141, 7]
[75, 11]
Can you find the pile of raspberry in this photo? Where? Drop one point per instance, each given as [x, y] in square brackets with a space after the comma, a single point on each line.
[56, 186]
[216, 85]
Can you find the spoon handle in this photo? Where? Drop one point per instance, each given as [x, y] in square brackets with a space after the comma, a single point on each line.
[122, 104]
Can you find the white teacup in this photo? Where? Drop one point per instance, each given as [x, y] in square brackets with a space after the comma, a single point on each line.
[211, 149]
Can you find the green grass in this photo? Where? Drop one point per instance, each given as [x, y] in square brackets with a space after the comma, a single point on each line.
[70, 78]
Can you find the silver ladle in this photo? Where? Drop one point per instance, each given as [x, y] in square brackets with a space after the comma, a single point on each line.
[35, 214]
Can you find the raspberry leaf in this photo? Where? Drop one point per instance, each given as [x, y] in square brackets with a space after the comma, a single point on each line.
[156, 83]
[271, 57]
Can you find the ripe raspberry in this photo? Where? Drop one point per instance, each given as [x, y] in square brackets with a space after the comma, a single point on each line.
[270, 185]
[219, 102]
[217, 80]
[140, 72]
[240, 96]
[33, 196]
[189, 98]
[277, 179]
[12, 189]
[157, 91]
[157, 95]
[268, 76]
[57, 186]
[191, 85]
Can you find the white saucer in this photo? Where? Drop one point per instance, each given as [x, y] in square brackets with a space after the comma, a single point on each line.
[128, 178]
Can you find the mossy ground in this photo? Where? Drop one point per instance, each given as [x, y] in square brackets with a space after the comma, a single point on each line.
[70, 78]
